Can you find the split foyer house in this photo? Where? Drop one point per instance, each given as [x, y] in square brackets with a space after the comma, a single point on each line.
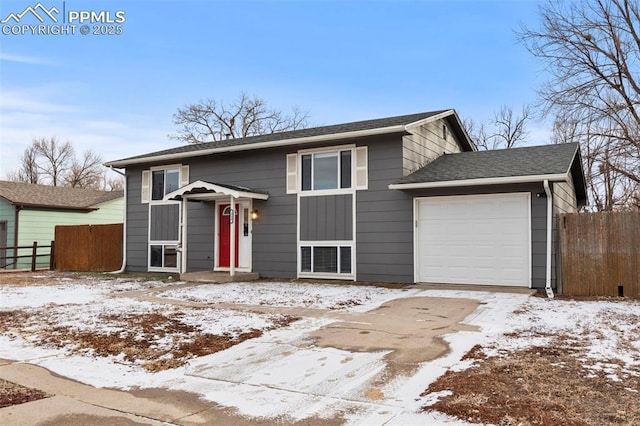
[398, 199]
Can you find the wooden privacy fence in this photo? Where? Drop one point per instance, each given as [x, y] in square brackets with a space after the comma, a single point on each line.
[88, 248]
[600, 253]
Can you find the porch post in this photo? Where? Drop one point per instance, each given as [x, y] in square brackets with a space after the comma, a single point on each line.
[232, 237]
[183, 240]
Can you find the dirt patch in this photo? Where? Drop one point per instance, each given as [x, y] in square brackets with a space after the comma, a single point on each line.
[548, 385]
[136, 337]
[13, 394]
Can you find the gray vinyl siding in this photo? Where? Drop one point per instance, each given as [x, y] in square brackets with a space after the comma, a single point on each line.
[165, 222]
[384, 218]
[384, 233]
[274, 232]
[137, 223]
[326, 218]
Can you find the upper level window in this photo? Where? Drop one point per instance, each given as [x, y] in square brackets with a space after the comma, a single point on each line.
[326, 170]
[163, 182]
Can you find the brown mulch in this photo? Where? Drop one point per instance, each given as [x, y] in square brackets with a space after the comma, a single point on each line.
[537, 386]
[13, 394]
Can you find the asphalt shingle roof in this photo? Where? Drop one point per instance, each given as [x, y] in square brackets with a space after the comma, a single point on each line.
[525, 161]
[295, 134]
[28, 194]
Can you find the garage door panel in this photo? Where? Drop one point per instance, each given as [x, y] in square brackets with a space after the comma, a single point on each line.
[477, 239]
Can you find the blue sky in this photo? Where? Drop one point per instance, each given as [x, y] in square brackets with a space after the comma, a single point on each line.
[341, 61]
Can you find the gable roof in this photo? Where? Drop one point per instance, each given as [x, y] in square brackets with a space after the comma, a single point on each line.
[397, 124]
[514, 165]
[59, 197]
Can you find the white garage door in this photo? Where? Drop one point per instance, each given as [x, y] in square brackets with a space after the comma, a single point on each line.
[474, 239]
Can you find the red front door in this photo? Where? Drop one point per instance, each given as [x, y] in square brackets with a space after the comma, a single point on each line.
[224, 240]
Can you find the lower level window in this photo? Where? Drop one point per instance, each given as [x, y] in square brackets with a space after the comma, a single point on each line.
[163, 256]
[325, 259]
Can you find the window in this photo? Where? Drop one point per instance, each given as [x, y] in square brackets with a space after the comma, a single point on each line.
[163, 256]
[444, 132]
[164, 182]
[326, 171]
[325, 259]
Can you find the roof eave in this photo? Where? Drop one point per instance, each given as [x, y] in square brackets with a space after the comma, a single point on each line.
[52, 207]
[259, 145]
[481, 181]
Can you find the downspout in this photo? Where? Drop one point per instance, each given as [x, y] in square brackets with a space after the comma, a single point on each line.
[547, 191]
[124, 226]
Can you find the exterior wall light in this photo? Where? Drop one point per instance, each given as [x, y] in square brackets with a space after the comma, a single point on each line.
[254, 215]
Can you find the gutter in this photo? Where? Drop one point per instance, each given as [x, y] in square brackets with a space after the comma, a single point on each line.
[124, 226]
[482, 181]
[547, 191]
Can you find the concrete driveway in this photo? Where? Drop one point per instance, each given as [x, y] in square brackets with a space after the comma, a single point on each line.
[331, 367]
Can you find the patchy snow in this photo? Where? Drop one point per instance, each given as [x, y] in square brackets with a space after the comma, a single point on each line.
[315, 296]
[283, 375]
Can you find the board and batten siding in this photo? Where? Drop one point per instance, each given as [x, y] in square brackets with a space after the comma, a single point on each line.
[425, 144]
[326, 218]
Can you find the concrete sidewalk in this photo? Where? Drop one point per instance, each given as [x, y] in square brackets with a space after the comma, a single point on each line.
[75, 403]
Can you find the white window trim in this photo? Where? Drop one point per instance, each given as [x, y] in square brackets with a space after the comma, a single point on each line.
[327, 150]
[177, 167]
[163, 268]
[328, 275]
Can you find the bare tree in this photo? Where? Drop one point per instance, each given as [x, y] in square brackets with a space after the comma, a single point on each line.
[607, 189]
[28, 170]
[50, 162]
[210, 120]
[57, 158]
[86, 172]
[506, 130]
[591, 50]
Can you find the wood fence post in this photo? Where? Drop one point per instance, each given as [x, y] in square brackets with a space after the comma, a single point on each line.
[34, 253]
[52, 263]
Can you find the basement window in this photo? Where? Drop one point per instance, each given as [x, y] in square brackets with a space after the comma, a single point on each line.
[324, 260]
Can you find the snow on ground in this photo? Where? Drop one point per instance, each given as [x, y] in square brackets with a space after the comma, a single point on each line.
[67, 291]
[316, 296]
[263, 377]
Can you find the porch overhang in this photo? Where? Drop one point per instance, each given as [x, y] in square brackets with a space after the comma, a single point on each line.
[208, 191]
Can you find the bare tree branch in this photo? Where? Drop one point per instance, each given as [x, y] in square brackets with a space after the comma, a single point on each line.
[505, 130]
[210, 121]
[591, 50]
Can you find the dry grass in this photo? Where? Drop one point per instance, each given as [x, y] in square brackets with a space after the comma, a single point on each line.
[13, 394]
[538, 386]
[136, 337]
